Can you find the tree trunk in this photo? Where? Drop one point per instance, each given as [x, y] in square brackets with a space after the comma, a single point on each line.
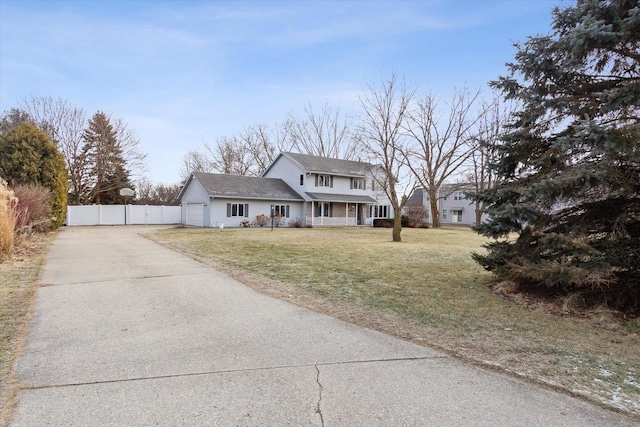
[480, 208]
[397, 226]
[435, 213]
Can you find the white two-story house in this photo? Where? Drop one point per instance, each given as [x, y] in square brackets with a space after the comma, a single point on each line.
[298, 188]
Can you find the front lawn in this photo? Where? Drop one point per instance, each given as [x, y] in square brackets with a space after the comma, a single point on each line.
[428, 290]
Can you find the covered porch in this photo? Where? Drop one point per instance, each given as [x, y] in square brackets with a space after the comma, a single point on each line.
[337, 210]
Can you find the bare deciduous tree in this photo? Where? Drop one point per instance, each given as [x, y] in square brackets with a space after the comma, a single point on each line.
[384, 111]
[132, 152]
[249, 153]
[440, 144]
[148, 193]
[230, 156]
[263, 145]
[194, 161]
[483, 144]
[64, 123]
[326, 134]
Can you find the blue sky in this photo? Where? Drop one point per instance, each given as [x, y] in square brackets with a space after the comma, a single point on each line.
[183, 73]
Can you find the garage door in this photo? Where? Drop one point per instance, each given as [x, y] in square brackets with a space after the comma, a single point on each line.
[195, 214]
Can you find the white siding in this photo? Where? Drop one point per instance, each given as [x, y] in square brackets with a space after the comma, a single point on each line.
[341, 185]
[289, 172]
[194, 193]
[218, 211]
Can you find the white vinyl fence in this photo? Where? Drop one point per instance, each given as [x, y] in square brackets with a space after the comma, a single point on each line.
[122, 215]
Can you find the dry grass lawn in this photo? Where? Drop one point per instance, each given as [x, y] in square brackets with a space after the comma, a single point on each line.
[428, 290]
[18, 283]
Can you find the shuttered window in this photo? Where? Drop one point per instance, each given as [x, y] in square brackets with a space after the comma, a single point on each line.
[281, 210]
[237, 210]
[358, 184]
[324, 181]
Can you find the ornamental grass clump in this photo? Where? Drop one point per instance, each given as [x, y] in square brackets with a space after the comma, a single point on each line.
[8, 215]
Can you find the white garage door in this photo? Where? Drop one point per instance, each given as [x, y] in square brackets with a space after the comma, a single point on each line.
[195, 214]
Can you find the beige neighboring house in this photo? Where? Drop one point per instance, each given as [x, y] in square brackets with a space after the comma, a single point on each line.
[302, 189]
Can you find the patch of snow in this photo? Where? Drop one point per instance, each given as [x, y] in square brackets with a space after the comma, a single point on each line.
[605, 373]
[632, 382]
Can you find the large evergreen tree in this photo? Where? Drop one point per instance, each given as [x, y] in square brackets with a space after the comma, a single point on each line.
[571, 158]
[28, 156]
[104, 157]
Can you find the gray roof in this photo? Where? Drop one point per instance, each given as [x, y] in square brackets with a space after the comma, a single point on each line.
[317, 164]
[246, 187]
[416, 198]
[344, 198]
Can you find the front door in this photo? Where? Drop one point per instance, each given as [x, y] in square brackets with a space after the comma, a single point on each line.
[358, 214]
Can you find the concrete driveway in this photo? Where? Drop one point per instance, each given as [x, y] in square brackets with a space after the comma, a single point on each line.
[127, 332]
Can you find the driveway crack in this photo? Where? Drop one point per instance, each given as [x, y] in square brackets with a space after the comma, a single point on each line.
[318, 406]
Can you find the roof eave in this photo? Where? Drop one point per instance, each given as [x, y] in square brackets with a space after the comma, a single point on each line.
[185, 185]
[226, 196]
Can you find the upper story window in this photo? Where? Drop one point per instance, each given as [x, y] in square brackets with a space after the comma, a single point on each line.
[458, 195]
[358, 184]
[324, 181]
[301, 179]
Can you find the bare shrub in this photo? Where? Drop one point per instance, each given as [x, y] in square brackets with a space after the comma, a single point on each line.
[278, 220]
[416, 214]
[8, 202]
[262, 220]
[33, 208]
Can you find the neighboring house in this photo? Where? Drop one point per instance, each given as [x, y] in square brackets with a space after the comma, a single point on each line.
[454, 205]
[316, 191]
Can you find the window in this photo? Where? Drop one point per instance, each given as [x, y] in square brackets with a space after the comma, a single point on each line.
[458, 195]
[301, 179]
[358, 184]
[237, 209]
[323, 209]
[445, 213]
[456, 216]
[281, 210]
[380, 211]
[324, 181]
